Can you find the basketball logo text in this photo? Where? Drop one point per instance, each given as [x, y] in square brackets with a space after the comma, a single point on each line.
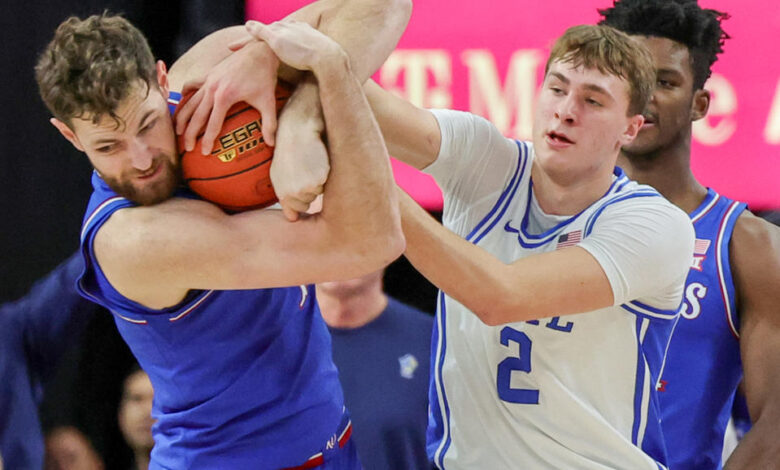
[235, 143]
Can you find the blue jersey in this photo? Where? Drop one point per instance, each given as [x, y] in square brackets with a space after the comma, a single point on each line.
[384, 370]
[703, 365]
[242, 379]
[35, 331]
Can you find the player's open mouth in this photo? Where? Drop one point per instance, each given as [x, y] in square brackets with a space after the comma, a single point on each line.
[558, 139]
[151, 173]
[649, 120]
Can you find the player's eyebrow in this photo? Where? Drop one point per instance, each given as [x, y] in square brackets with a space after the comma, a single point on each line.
[588, 86]
[145, 118]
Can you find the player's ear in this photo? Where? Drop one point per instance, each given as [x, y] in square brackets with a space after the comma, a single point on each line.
[162, 77]
[633, 126]
[67, 132]
[700, 104]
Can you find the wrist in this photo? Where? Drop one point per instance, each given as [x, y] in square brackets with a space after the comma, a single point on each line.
[332, 65]
[303, 109]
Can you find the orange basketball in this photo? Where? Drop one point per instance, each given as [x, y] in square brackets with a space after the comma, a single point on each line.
[235, 176]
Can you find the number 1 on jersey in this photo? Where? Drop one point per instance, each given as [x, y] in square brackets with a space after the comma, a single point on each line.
[521, 363]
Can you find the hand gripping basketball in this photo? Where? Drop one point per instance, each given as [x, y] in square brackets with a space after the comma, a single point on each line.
[235, 175]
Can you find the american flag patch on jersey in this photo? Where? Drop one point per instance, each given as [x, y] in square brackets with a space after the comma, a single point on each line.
[701, 247]
[569, 239]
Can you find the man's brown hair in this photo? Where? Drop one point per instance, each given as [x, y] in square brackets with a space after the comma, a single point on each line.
[611, 52]
[91, 65]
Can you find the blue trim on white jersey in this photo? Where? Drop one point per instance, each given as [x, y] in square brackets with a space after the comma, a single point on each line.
[640, 193]
[640, 414]
[643, 310]
[532, 241]
[505, 198]
[438, 445]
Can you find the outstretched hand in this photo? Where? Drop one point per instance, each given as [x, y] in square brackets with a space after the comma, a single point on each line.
[248, 74]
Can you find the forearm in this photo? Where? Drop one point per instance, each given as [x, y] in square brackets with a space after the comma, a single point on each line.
[561, 282]
[462, 270]
[368, 30]
[360, 201]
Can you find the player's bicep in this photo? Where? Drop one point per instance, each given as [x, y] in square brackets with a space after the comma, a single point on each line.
[755, 263]
[154, 255]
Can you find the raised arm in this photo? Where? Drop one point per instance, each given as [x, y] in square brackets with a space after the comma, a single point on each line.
[154, 255]
[412, 134]
[755, 261]
[367, 30]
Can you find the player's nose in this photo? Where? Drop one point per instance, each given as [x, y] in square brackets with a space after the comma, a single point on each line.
[566, 109]
[141, 155]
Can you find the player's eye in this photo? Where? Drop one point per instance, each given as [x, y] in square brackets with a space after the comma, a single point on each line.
[150, 125]
[106, 148]
[593, 102]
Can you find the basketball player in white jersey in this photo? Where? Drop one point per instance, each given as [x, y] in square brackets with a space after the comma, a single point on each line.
[561, 279]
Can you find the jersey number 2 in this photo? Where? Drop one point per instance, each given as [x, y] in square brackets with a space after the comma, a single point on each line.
[521, 363]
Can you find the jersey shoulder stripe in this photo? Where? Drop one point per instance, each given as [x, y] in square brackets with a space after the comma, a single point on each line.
[498, 210]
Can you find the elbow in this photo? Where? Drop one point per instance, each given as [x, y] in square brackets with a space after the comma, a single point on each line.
[389, 246]
[494, 311]
[490, 316]
[404, 7]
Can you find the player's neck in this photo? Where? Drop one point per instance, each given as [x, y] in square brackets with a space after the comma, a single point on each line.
[351, 311]
[669, 172]
[568, 197]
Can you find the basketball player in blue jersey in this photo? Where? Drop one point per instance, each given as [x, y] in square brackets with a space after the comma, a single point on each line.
[731, 316]
[240, 363]
[561, 279]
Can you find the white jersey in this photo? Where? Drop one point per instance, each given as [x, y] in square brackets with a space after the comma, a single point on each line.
[571, 392]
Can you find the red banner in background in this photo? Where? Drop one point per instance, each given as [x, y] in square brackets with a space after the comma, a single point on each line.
[488, 58]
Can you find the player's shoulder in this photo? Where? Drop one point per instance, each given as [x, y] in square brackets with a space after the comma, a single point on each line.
[141, 229]
[755, 241]
[463, 124]
[639, 200]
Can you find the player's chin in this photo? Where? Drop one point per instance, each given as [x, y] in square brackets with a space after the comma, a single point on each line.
[152, 194]
[640, 147]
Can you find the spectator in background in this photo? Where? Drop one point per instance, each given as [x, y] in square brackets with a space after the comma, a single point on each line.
[35, 331]
[68, 449]
[381, 348]
[135, 416]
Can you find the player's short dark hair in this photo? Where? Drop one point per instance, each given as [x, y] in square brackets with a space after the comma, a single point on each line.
[91, 65]
[684, 21]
